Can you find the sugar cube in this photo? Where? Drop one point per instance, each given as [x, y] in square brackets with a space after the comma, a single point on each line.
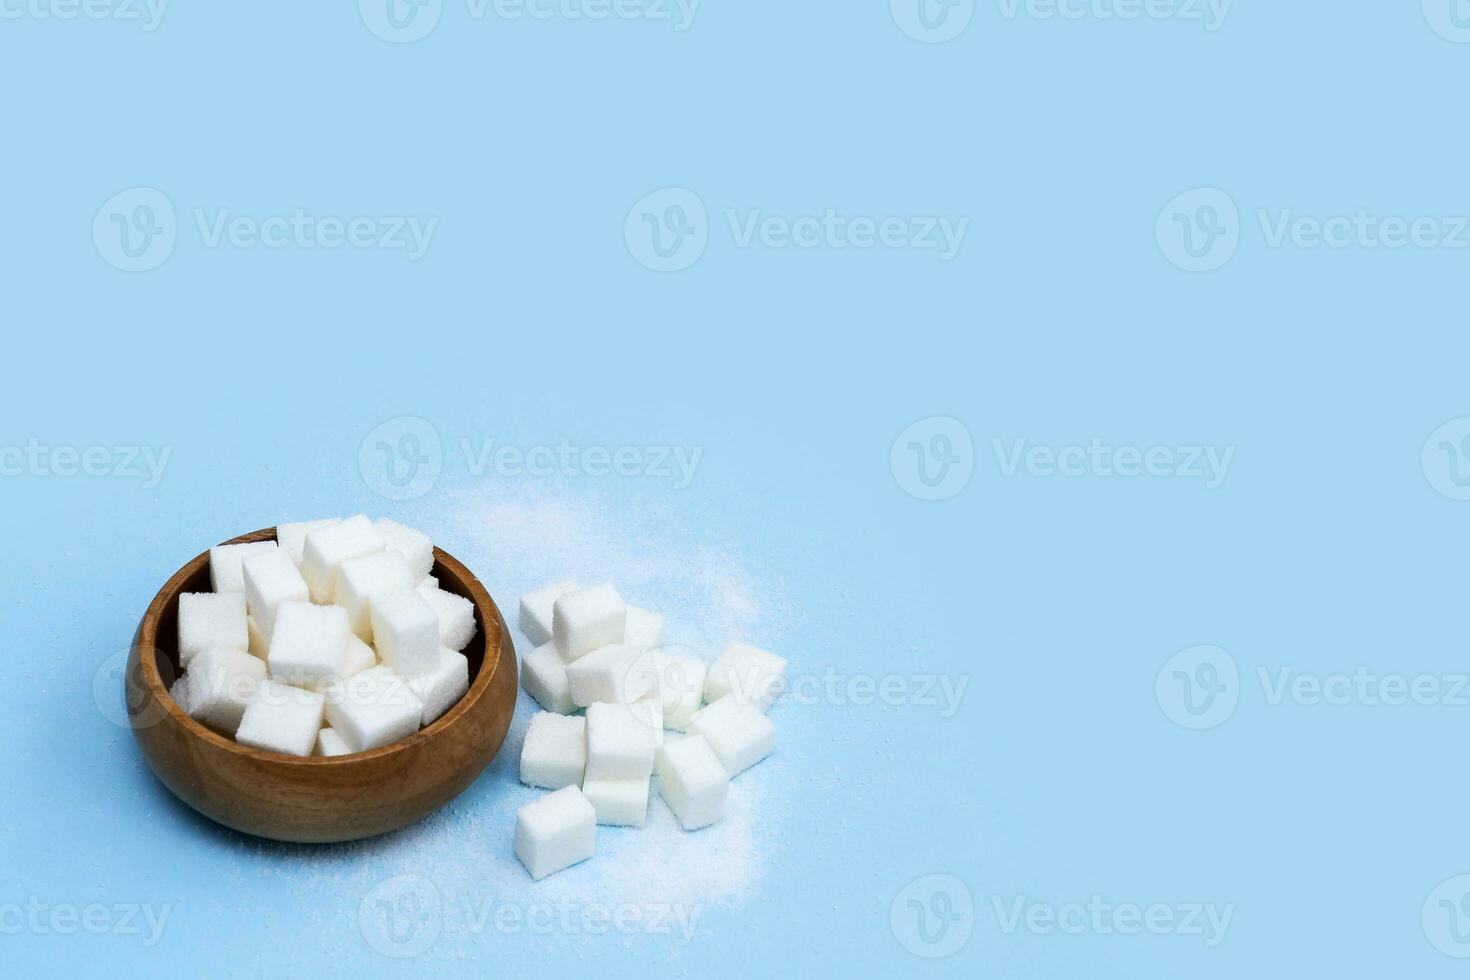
[209, 620]
[360, 579]
[644, 628]
[587, 619]
[374, 708]
[756, 676]
[619, 802]
[456, 616]
[328, 547]
[680, 680]
[330, 742]
[359, 658]
[225, 561]
[555, 752]
[260, 643]
[281, 718]
[406, 632]
[619, 743]
[613, 673]
[555, 832]
[293, 536]
[222, 681]
[650, 711]
[536, 611]
[740, 734]
[308, 644]
[442, 687]
[693, 781]
[413, 546]
[544, 677]
[271, 579]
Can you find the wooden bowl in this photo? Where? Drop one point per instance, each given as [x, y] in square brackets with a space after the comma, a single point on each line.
[318, 800]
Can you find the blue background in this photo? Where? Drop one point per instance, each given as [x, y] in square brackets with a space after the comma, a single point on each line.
[1060, 776]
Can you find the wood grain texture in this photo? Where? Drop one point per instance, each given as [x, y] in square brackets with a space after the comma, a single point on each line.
[318, 800]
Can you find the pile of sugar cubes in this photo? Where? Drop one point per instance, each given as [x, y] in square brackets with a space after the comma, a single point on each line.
[333, 639]
[595, 652]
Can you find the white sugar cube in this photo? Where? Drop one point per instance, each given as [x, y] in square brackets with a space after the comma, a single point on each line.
[293, 536]
[644, 628]
[693, 782]
[209, 620]
[330, 742]
[456, 616]
[308, 644]
[360, 579]
[544, 677]
[281, 718]
[536, 611]
[221, 683]
[618, 802]
[442, 687]
[260, 643]
[429, 581]
[619, 744]
[555, 752]
[360, 657]
[328, 547]
[680, 679]
[754, 675]
[740, 734]
[225, 560]
[587, 619]
[650, 711]
[614, 673]
[374, 708]
[271, 579]
[413, 546]
[406, 633]
[555, 832]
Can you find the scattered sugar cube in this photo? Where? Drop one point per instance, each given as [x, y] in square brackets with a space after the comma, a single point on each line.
[740, 734]
[555, 752]
[536, 611]
[644, 628]
[555, 832]
[330, 742]
[260, 643]
[406, 632]
[618, 802]
[456, 616]
[225, 571]
[544, 677]
[293, 536]
[613, 673]
[328, 547]
[374, 708]
[442, 687]
[221, 683]
[360, 579]
[209, 620]
[756, 676]
[680, 679]
[413, 546]
[271, 579]
[587, 619]
[308, 644]
[281, 718]
[650, 711]
[360, 657]
[693, 782]
[619, 743]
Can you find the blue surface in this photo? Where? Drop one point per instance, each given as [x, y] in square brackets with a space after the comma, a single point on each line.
[1075, 776]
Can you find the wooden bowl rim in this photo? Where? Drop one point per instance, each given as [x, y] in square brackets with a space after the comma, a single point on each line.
[148, 665]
